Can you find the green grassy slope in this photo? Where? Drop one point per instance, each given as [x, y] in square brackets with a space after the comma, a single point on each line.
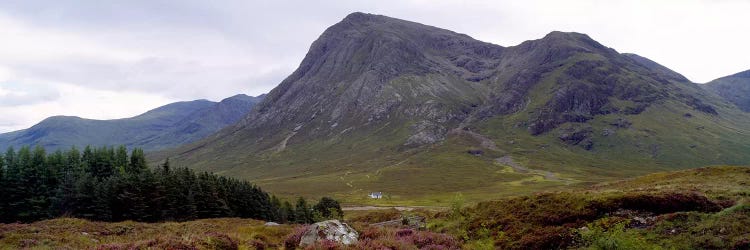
[734, 88]
[421, 113]
[350, 165]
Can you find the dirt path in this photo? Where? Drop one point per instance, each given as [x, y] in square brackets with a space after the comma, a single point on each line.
[282, 145]
[399, 208]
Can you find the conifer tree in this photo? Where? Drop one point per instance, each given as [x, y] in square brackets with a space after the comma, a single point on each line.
[103, 184]
[302, 212]
[137, 162]
[328, 208]
[121, 159]
[3, 192]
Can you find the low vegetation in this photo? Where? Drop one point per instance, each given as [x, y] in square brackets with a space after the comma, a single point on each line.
[703, 208]
[651, 212]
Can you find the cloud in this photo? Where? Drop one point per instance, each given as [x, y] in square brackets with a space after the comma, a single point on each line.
[79, 101]
[162, 50]
[12, 96]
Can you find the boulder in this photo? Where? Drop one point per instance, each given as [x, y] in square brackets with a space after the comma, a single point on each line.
[332, 230]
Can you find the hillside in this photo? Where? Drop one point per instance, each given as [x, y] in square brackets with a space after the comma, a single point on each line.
[734, 88]
[419, 112]
[167, 126]
[704, 208]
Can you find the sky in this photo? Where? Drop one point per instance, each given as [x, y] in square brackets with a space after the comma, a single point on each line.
[114, 59]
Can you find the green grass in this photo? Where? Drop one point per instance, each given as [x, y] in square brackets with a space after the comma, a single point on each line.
[372, 157]
[705, 208]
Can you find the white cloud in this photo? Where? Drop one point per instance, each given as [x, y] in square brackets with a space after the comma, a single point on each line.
[12, 96]
[79, 101]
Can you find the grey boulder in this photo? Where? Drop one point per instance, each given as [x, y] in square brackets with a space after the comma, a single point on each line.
[332, 230]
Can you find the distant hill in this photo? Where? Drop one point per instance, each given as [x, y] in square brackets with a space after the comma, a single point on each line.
[734, 88]
[167, 126]
[419, 112]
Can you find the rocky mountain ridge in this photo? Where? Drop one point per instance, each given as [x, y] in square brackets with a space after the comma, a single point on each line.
[380, 96]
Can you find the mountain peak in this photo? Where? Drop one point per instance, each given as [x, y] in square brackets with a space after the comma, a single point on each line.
[733, 88]
[362, 17]
[378, 93]
[566, 35]
[572, 39]
[238, 97]
[61, 118]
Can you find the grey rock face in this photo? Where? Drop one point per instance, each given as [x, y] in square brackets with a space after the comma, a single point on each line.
[577, 135]
[426, 132]
[332, 230]
[369, 73]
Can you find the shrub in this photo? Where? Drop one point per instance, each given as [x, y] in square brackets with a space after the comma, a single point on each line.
[377, 216]
[404, 233]
[293, 239]
[219, 241]
[612, 238]
[666, 203]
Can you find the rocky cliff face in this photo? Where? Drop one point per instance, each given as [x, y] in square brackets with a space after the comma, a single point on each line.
[375, 93]
[369, 70]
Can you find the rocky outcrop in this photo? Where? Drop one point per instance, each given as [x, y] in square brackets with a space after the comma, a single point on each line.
[577, 135]
[332, 230]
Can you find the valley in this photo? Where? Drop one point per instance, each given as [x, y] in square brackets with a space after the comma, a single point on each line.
[393, 134]
[421, 113]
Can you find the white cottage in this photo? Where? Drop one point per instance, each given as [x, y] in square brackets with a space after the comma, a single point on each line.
[376, 195]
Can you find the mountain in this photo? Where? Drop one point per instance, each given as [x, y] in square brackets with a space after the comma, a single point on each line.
[419, 112]
[167, 126]
[734, 88]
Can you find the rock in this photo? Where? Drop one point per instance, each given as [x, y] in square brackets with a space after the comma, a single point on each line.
[621, 123]
[476, 152]
[577, 135]
[587, 144]
[426, 132]
[332, 230]
[271, 224]
[414, 221]
[607, 132]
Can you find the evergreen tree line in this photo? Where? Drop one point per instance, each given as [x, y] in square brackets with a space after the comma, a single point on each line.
[112, 184]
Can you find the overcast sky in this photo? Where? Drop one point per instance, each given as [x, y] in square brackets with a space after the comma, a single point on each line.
[113, 59]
